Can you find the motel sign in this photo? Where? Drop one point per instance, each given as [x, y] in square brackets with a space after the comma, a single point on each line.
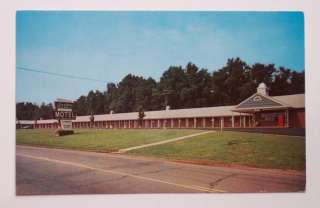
[63, 113]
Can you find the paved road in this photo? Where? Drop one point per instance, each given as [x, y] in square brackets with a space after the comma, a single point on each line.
[52, 171]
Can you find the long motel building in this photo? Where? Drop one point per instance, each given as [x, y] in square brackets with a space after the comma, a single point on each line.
[258, 111]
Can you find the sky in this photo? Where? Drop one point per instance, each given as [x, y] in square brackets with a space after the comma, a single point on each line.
[109, 45]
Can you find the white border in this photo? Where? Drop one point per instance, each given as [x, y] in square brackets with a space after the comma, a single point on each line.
[7, 121]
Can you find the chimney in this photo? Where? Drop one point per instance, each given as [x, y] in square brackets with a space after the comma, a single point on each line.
[262, 89]
[111, 112]
[167, 107]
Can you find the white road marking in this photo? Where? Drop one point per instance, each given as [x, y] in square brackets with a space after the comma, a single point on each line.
[163, 142]
[193, 187]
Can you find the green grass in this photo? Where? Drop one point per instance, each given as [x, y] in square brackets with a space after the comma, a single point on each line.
[97, 140]
[251, 149]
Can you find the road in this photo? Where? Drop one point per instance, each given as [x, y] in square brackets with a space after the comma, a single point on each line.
[42, 171]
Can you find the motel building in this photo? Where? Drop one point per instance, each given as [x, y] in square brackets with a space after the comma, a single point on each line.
[258, 111]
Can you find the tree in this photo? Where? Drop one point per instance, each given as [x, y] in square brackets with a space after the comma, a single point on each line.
[80, 106]
[184, 87]
[131, 92]
[171, 83]
[45, 111]
[27, 111]
[231, 84]
[111, 96]
[282, 82]
[297, 82]
[179, 87]
[262, 73]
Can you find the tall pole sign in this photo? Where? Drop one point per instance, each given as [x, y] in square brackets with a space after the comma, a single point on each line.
[63, 113]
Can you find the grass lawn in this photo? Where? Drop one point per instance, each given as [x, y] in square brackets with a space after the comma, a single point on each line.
[251, 149]
[97, 139]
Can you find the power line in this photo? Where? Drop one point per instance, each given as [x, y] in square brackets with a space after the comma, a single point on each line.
[59, 75]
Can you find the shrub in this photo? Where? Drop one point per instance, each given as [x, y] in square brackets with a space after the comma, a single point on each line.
[62, 132]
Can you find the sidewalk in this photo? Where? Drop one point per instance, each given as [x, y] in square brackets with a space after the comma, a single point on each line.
[163, 142]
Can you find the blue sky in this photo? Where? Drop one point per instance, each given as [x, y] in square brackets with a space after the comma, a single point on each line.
[109, 45]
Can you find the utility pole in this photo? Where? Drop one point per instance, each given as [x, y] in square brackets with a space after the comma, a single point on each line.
[164, 93]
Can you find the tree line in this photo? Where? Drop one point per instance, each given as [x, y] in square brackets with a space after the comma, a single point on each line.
[179, 87]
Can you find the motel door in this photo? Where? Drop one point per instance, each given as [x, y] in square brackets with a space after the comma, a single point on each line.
[281, 120]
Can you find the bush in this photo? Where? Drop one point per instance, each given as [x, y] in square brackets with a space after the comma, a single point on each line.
[62, 132]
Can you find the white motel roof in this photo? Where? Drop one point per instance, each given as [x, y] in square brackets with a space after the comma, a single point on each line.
[164, 114]
[294, 101]
[28, 122]
[25, 122]
[47, 121]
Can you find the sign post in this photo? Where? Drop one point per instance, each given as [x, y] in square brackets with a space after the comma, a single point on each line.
[64, 114]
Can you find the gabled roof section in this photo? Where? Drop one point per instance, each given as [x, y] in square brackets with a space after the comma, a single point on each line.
[295, 101]
[258, 100]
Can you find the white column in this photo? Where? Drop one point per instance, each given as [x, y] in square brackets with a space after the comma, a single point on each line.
[195, 123]
[179, 123]
[212, 122]
[171, 123]
[232, 119]
[158, 123]
[187, 122]
[203, 122]
[287, 118]
[222, 122]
